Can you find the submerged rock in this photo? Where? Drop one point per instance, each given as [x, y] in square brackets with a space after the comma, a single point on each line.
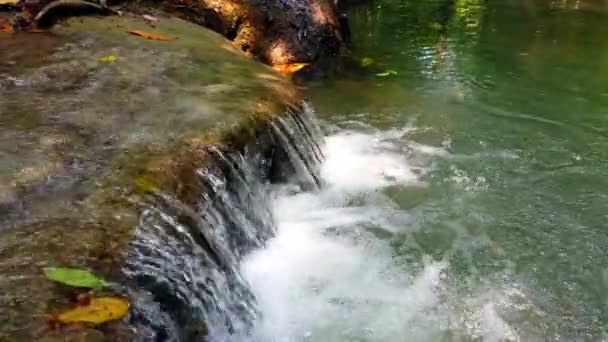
[96, 157]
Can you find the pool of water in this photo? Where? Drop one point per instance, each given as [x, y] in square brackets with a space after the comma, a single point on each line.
[466, 182]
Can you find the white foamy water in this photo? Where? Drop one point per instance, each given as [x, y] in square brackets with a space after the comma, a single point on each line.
[359, 162]
[327, 277]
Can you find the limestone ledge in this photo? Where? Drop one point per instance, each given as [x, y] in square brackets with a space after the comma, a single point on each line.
[85, 143]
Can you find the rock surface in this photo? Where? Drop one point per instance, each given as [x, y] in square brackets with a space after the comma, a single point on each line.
[84, 142]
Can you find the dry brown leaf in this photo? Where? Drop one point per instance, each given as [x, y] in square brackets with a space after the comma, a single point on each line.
[289, 69]
[6, 26]
[149, 35]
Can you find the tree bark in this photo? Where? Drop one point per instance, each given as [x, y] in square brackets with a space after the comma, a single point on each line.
[277, 31]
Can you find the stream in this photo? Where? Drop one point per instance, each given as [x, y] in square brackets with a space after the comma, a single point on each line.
[463, 195]
[447, 181]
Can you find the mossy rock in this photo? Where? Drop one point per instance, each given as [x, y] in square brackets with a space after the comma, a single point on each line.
[84, 142]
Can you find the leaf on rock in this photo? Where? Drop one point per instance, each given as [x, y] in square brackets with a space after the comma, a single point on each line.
[36, 30]
[149, 35]
[74, 277]
[108, 59]
[437, 26]
[386, 73]
[146, 183]
[290, 68]
[99, 310]
[6, 26]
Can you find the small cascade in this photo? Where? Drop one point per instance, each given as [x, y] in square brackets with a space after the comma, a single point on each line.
[185, 267]
[298, 135]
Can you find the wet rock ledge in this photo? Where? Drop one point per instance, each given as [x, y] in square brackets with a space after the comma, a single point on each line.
[88, 144]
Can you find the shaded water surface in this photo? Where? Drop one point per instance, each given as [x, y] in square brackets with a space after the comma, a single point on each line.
[465, 193]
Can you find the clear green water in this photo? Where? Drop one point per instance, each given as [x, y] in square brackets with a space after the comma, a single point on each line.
[513, 94]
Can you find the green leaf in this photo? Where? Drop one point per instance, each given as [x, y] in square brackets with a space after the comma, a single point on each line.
[74, 277]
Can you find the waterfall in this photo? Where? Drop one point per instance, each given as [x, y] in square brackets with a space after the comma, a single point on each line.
[298, 136]
[185, 262]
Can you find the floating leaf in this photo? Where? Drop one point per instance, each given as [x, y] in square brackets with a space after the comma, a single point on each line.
[108, 59]
[367, 61]
[99, 310]
[459, 94]
[149, 35]
[74, 277]
[386, 73]
[290, 68]
[437, 26]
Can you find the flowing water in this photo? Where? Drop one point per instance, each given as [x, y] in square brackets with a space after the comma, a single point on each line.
[456, 189]
[187, 258]
[464, 187]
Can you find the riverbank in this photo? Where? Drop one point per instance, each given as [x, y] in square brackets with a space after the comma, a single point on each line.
[279, 33]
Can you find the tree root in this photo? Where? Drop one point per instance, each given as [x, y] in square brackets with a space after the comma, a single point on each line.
[47, 15]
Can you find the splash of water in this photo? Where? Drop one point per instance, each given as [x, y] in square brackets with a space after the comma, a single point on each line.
[323, 277]
[330, 273]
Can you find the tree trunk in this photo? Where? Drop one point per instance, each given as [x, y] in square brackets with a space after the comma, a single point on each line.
[277, 31]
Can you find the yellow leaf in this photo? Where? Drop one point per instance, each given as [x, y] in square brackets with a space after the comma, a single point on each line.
[290, 68]
[437, 26]
[9, 2]
[149, 35]
[146, 183]
[367, 61]
[108, 59]
[99, 310]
